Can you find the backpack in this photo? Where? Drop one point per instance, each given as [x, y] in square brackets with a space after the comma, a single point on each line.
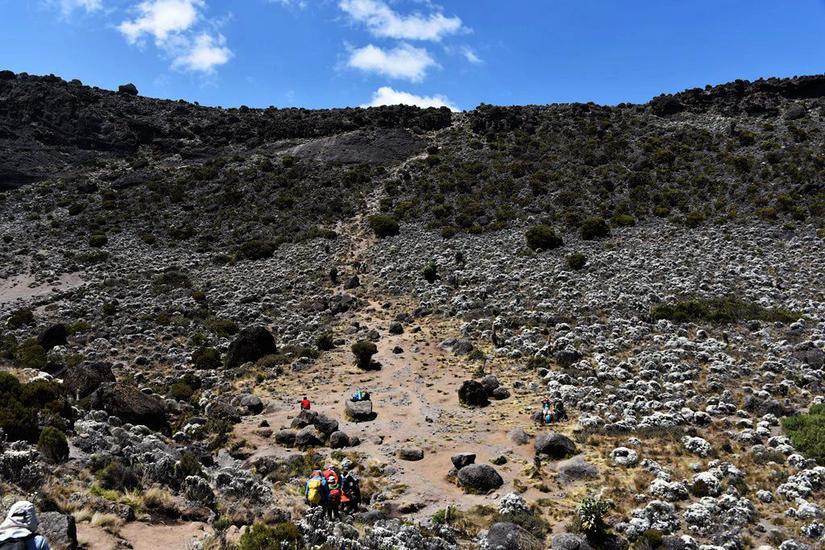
[315, 491]
[548, 418]
[333, 482]
[18, 543]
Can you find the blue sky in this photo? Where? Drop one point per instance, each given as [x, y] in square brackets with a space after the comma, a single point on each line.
[334, 53]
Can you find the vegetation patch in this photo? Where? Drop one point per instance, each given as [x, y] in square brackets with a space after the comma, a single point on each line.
[728, 309]
[807, 432]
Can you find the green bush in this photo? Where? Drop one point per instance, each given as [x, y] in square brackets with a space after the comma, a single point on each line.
[30, 355]
[325, 342]
[19, 423]
[281, 536]
[53, 445]
[109, 308]
[170, 280]
[383, 225]
[20, 318]
[115, 476]
[694, 219]
[720, 310]
[257, 249]
[222, 327]
[542, 237]
[624, 220]
[181, 391]
[590, 518]
[430, 272]
[206, 358]
[363, 351]
[576, 261]
[807, 433]
[97, 240]
[10, 386]
[148, 238]
[188, 465]
[594, 228]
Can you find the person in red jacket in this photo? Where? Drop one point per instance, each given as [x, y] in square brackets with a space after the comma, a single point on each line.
[305, 404]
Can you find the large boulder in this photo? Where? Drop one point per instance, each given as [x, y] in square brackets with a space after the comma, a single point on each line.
[555, 445]
[308, 437]
[411, 453]
[509, 536]
[59, 529]
[473, 394]
[285, 438]
[479, 478]
[463, 459]
[127, 89]
[130, 405]
[251, 344]
[576, 469]
[360, 411]
[83, 379]
[338, 440]
[54, 335]
[570, 541]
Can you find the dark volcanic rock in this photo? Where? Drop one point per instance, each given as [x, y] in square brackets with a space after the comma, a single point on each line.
[473, 394]
[509, 536]
[127, 89]
[308, 437]
[555, 446]
[130, 405]
[338, 440]
[250, 345]
[463, 459]
[59, 529]
[360, 411]
[479, 478]
[54, 335]
[285, 438]
[85, 378]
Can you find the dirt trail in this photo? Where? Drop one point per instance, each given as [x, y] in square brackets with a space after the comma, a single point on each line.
[414, 395]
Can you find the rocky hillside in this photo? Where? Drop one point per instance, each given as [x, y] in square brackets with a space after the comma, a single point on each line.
[175, 278]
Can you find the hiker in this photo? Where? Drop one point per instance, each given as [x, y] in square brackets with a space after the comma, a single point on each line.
[316, 491]
[334, 485]
[305, 404]
[351, 491]
[558, 411]
[19, 530]
[360, 395]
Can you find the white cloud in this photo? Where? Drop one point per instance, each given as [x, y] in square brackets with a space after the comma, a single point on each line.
[174, 25]
[290, 3]
[471, 56]
[203, 54]
[382, 21]
[161, 18]
[404, 61]
[388, 96]
[68, 6]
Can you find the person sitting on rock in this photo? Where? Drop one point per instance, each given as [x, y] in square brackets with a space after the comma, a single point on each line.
[305, 404]
[19, 530]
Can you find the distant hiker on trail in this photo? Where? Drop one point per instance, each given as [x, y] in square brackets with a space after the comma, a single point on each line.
[559, 413]
[351, 496]
[334, 485]
[305, 404]
[316, 491]
[19, 530]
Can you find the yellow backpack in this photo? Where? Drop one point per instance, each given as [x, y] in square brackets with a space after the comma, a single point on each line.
[315, 490]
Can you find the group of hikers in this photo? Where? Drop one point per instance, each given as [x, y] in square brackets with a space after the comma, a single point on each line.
[552, 411]
[333, 492]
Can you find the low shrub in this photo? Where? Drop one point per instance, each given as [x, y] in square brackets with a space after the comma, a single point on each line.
[206, 358]
[21, 317]
[222, 327]
[624, 220]
[542, 237]
[281, 536]
[363, 351]
[170, 280]
[98, 240]
[594, 228]
[257, 249]
[590, 518]
[383, 225]
[576, 261]
[53, 445]
[807, 432]
[325, 342]
[30, 355]
[181, 391]
[720, 310]
[694, 219]
[116, 476]
[430, 272]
